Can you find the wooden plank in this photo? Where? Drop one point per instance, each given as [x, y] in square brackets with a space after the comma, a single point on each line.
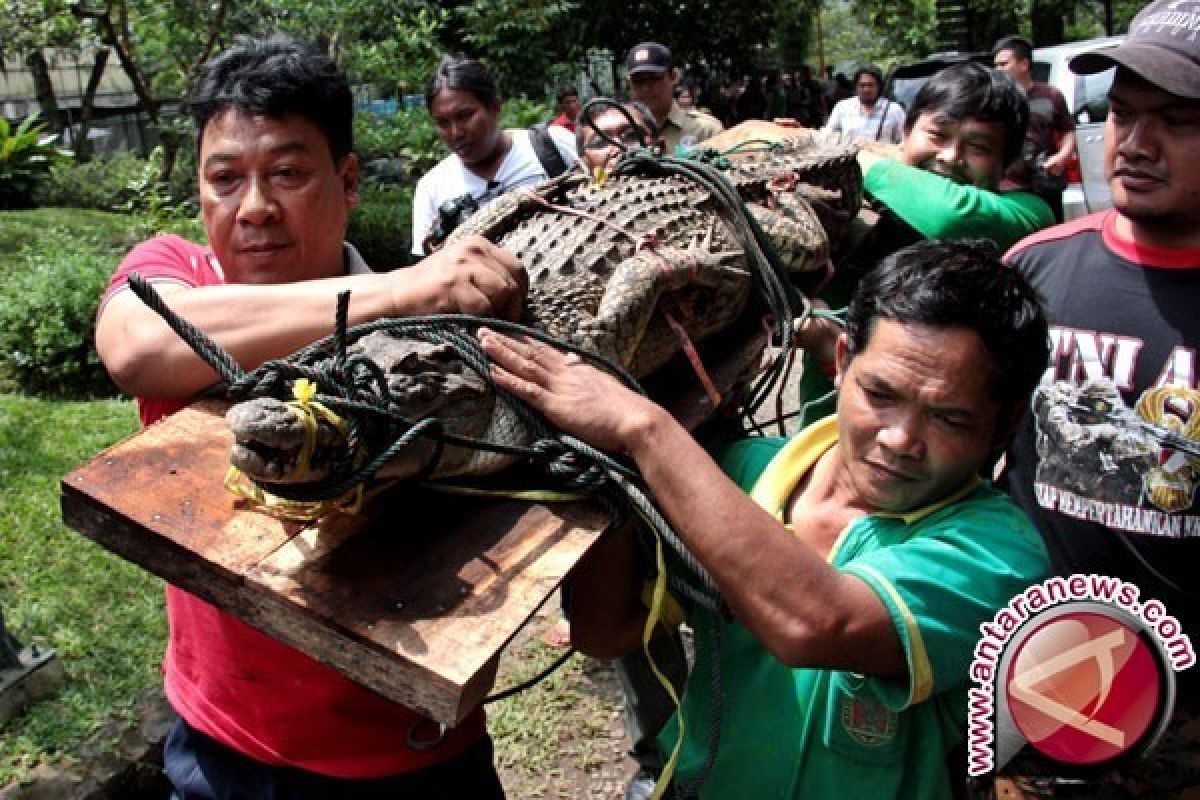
[415, 598]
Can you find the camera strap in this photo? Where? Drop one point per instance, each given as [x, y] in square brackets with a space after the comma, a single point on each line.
[546, 151]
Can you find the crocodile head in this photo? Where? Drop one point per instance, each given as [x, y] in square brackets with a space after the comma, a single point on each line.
[268, 436]
[423, 378]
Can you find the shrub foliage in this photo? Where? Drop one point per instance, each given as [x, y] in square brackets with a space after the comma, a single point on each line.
[46, 325]
[56, 263]
[381, 226]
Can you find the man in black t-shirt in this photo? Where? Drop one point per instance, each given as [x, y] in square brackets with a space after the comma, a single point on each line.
[1108, 461]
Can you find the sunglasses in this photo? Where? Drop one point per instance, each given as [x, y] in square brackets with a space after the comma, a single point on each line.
[630, 137]
[643, 78]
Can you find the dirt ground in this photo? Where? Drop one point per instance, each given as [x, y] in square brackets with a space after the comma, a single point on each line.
[563, 739]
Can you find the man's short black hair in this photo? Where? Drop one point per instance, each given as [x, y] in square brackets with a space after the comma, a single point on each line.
[274, 77]
[564, 93]
[1018, 45]
[871, 70]
[970, 90]
[960, 284]
[461, 73]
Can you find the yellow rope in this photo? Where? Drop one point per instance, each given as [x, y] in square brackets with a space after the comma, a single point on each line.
[657, 604]
[532, 495]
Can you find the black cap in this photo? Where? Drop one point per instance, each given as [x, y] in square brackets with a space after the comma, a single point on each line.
[648, 57]
[1161, 48]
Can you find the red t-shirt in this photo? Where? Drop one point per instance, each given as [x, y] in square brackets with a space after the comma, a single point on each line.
[247, 690]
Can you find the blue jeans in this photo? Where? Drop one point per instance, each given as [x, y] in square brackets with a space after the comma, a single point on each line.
[201, 768]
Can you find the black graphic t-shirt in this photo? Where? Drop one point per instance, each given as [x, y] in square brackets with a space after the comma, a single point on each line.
[1108, 461]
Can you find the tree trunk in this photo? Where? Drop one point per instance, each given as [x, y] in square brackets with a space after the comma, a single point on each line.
[108, 34]
[169, 141]
[83, 147]
[1048, 27]
[43, 88]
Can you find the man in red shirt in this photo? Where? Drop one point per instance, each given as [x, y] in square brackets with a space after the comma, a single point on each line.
[568, 108]
[1050, 138]
[277, 181]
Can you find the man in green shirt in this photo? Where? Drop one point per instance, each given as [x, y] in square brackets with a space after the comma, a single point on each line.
[966, 125]
[869, 550]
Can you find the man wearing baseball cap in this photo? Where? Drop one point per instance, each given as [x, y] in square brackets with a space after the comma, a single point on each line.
[652, 77]
[1117, 495]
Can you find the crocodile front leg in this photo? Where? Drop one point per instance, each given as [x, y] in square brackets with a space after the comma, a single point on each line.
[796, 231]
[633, 293]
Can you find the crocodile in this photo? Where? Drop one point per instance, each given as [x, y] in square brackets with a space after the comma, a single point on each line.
[615, 267]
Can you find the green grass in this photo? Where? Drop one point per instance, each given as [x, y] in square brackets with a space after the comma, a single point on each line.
[103, 616]
[561, 723]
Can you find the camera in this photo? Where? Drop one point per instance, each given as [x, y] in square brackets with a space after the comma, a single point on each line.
[452, 213]
[456, 211]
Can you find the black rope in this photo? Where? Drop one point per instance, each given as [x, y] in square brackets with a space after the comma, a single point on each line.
[705, 167]
[541, 676]
[587, 120]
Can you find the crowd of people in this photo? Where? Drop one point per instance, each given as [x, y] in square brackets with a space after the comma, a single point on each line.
[859, 558]
[784, 93]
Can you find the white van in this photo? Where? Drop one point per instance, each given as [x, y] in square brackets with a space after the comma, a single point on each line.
[1087, 100]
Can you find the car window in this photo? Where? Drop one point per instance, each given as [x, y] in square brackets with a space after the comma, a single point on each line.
[904, 90]
[1093, 99]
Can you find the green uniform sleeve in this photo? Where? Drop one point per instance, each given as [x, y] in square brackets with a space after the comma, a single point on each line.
[962, 564]
[938, 208]
[744, 460]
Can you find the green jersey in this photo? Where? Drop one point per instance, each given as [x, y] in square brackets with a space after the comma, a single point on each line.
[940, 571]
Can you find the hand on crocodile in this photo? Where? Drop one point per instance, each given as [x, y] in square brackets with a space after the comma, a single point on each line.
[574, 396]
[818, 336]
[471, 276]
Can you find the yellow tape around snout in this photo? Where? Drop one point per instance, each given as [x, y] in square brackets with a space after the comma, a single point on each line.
[310, 413]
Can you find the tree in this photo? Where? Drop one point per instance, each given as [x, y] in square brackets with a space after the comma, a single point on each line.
[529, 45]
[386, 42]
[161, 48]
[794, 25]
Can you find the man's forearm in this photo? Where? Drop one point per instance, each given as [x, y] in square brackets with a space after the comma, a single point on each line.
[937, 207]
[1066, 147]
[252, 323]
[802, 609]
[258, 322]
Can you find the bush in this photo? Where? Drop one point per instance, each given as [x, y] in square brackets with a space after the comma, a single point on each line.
[47, 322]
[100, 183]
[52, 289]
[406, 136]
[381, 226]
[123, 182]
[521, 113]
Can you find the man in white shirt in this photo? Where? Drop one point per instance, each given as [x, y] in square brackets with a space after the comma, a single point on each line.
[867, 115]
[486, 160]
